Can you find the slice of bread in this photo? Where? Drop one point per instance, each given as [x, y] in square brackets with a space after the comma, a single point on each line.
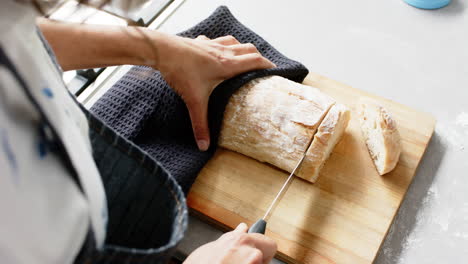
[381, 135]
[328, 135]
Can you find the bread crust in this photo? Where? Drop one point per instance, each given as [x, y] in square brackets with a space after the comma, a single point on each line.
[328, 135]
[386, 159]
[273, 120]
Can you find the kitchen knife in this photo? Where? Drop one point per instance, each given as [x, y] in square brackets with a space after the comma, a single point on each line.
[260, 225]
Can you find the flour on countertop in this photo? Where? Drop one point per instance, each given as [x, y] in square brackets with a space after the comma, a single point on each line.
[455, 133]
[462, 119]
[461, 235]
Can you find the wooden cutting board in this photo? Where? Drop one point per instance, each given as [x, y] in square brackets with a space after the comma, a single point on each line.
[344, 216]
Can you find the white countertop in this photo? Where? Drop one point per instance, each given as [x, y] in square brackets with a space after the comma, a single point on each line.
[415, 57]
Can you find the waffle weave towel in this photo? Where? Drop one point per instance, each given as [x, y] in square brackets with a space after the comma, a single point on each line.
[144, 109]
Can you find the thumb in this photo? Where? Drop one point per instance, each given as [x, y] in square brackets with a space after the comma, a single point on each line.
[198, 111]
[242, 227]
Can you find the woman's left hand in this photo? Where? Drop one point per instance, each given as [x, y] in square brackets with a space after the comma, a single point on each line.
[194, 67]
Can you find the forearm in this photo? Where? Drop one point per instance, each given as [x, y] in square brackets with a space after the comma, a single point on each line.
[79, 46]
[192, 67]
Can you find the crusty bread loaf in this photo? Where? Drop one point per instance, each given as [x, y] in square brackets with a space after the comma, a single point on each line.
[273, 120]
[328, 134]
[381, 135]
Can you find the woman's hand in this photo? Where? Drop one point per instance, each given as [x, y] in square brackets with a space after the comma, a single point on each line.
[236, 247]
[194, 67]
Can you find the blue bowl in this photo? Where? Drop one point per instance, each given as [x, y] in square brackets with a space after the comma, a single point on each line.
[428, 4]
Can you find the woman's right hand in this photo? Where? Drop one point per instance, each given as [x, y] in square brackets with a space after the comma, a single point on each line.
[236, 247]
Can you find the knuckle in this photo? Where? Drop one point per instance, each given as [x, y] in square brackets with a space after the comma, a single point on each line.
[223, 48]
[257, 57]
[244, 239]
[250, 46]
[235, 237]
[256, 256]
[231, 49]
[199, 132]
[232, 250]
[230, 37]
[231, 239]
[273, 244]
[223, 58]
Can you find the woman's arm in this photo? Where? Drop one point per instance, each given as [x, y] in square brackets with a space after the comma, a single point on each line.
[80, 46]
[192, 67]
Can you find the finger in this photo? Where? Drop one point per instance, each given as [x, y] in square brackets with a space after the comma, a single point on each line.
[242, 228]
[266, 245]
[246, 254]
[251, 61]
[202, 37]
[226, 40]
[241, 49]
[198, 111]
[253, 256]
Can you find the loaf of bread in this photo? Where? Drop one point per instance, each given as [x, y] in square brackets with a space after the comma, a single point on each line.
[328, 134]
[381, 135]
[273, 120]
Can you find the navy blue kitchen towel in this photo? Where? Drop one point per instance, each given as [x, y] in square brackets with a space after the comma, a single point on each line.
[143, 108]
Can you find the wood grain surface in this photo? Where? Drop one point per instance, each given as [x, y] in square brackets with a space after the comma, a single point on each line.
[344, 216]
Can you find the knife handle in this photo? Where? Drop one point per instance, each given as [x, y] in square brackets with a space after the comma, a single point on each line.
[259, 227]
